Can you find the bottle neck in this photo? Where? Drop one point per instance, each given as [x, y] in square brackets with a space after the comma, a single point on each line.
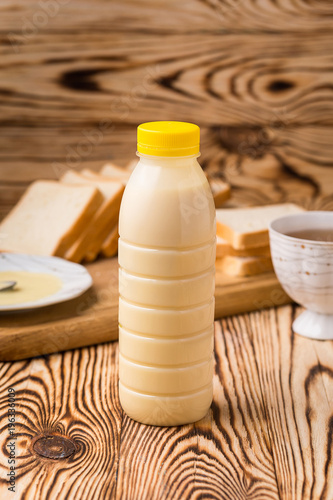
[168, 161]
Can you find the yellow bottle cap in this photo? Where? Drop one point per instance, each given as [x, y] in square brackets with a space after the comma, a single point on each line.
[168, 139]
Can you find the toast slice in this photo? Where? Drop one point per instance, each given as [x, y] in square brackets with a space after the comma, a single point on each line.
[115, 172]
[224, 248]
[49, 218]
[221, 191]
[248, 227]
[244, 266]
[110, 245]
[89, 244]
[90, 174]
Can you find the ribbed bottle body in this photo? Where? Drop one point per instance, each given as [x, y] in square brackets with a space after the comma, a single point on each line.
[166, 293]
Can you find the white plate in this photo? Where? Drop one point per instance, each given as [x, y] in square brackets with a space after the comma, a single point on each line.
[75, 278]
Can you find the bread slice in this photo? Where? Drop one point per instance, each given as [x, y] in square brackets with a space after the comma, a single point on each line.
[115, 172]
[89, 244]
[224, 248]
[49, 217]
[248, 227]
[243, 266]
[90, 174]
[221, 191]
[110, 245]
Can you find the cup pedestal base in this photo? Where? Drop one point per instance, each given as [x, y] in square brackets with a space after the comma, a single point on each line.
[314, 325]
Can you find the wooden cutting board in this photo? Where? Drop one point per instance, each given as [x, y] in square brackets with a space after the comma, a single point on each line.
[93, 317]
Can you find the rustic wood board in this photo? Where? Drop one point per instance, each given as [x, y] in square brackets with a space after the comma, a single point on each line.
[93, 317]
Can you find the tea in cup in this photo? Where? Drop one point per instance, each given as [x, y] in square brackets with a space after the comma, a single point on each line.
[302, 255]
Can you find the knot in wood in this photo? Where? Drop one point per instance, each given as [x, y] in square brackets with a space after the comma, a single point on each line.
[54, 447]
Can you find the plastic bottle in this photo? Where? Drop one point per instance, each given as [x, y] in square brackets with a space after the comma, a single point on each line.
[166, 280]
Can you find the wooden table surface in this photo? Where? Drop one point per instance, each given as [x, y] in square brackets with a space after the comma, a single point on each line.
[76, 78]
[268, 434]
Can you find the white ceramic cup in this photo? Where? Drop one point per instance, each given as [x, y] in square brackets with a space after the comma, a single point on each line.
[305, 270]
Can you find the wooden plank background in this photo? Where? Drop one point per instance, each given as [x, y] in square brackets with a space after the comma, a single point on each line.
[76, 78]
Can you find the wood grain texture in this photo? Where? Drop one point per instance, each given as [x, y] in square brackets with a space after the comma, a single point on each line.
[268, 434]
[256, 76]
[74, 396]
[188, 17]
[297, 379]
